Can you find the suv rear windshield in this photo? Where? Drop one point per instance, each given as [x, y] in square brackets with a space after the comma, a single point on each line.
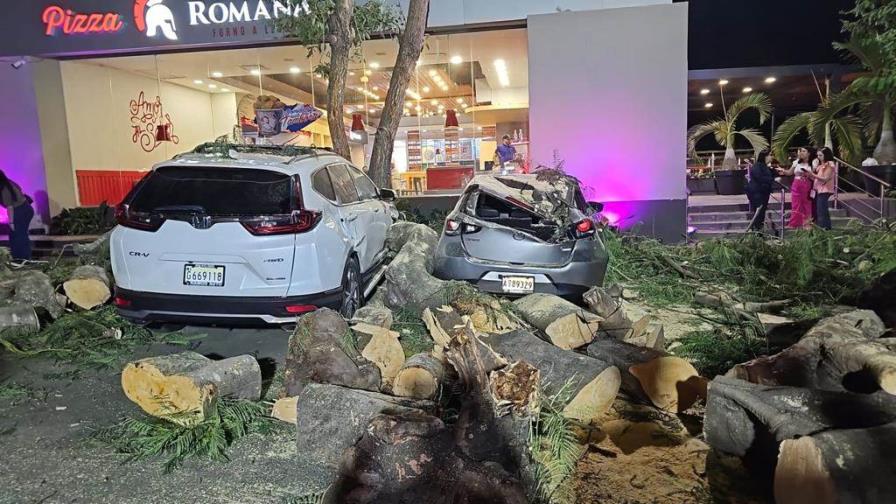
[215, 191]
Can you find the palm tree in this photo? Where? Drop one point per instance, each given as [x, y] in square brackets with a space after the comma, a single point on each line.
[726, 132]
[864, 110]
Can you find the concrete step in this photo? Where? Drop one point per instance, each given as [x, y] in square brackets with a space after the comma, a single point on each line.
[702, 217]
[837, 222]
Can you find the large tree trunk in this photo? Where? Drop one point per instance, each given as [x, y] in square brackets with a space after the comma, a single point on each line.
[885, 152]
[340, 38]
[669, 383]
[744, 418]
[184, 387]
[410, 46]
[843, 352]
[730, 160]
[838, 467]
[565, 324]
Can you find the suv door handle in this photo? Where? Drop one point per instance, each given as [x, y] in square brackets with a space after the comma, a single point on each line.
[351, 218]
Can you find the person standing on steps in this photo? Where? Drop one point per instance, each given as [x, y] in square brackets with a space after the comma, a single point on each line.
[19, 213]
[824, 186]
[759, 189]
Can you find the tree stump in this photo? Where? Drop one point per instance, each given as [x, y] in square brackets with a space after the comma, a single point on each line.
[838, 466]
[669, 383]
[566, 325]
[323, 350]
[184, 387]
[88, 287]
[420, 377]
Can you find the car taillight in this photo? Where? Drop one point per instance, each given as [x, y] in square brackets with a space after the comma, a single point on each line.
[585, 227]
[452, 227]
[122, 302]
[143, 221]
[301, 221]
[300, 309]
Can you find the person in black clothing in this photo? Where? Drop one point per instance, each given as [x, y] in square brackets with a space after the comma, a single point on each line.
[759, 189]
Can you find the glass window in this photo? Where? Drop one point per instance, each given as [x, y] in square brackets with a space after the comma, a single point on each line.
[215, 191]
[343, 184]
[366, 188]
[321, 183]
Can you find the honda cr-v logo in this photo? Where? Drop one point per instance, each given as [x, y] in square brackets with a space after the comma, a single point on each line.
[153, 17]
[201, 221]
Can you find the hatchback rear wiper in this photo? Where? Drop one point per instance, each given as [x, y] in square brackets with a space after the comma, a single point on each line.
[180, 208]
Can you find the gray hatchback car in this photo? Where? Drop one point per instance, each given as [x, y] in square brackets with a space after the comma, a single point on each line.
[519, 234]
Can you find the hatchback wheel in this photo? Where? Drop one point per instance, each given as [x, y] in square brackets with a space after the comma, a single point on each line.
[351, 289]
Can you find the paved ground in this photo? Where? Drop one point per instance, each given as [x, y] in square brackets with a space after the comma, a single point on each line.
[47, 456]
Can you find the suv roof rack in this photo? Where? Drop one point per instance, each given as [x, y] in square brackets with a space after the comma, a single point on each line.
[223, 149]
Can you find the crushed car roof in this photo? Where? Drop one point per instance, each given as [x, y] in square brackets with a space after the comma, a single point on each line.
[545, 192]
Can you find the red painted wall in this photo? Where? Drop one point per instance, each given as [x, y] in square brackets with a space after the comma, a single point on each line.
[97, 186]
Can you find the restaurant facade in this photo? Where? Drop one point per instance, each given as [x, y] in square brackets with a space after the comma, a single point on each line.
[95, 92]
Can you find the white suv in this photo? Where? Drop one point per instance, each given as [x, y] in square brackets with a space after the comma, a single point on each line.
[231, 232]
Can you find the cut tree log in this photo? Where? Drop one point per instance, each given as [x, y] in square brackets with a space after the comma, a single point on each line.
[591, 383]
[385, 351]
[88, 287]
[566, 325]
[443, 324]
[185, 387]
[669, 383]
[285, 410]
[420, 377]
[838, 466]
[20, 319]
[35, 288]
[648, 334]
[374, 315]
[96, 252]
[739, 414]
[322, 350]
[722, 300]
[839, 353]
[409, 283]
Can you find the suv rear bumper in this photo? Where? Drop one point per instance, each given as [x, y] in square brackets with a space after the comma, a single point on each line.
[571, 280]
[152, 307]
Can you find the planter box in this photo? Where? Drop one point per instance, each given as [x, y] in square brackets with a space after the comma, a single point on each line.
[731, 182]
[702, 185]
[886, 173]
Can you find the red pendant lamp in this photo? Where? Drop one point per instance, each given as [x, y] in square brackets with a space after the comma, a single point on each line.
[451, 119]
[163, 133]
[358, 122]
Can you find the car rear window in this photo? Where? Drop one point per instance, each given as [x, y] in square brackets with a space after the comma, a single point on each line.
[216, 191]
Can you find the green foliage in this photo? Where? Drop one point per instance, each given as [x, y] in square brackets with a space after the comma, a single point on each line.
[812, 266]
[89, 340]
[312, 27]
[435, 219]
[311, 498]
[873, 23]
[147, 437]
[15, 393]
[415, 336]
[82, 221]
[713, 352]
[555, 449]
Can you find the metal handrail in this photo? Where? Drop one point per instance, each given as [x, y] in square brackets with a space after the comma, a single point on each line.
[863, 172]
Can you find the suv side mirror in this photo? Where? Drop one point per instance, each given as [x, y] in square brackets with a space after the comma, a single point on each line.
[597, 206]
[387, 195]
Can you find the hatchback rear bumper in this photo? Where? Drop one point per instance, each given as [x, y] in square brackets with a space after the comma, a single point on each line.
[570, 280]
[155, 307]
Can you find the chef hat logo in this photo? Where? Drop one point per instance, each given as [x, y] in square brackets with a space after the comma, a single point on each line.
[153, 17]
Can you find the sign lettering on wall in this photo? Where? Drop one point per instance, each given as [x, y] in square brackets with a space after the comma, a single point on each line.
[150, 123]
[82, 27]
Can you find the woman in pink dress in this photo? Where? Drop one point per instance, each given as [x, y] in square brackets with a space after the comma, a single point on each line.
[800, 190]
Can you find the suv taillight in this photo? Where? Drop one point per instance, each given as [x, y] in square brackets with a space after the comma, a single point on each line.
[452, 227]
[143, 221]
[300, 221]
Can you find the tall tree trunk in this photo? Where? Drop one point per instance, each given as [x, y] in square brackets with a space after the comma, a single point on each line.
[730, 161]
[885, 152]
[340, 39]
[411, 45]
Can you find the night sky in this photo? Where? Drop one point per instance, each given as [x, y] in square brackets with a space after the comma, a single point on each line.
[750, 33]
